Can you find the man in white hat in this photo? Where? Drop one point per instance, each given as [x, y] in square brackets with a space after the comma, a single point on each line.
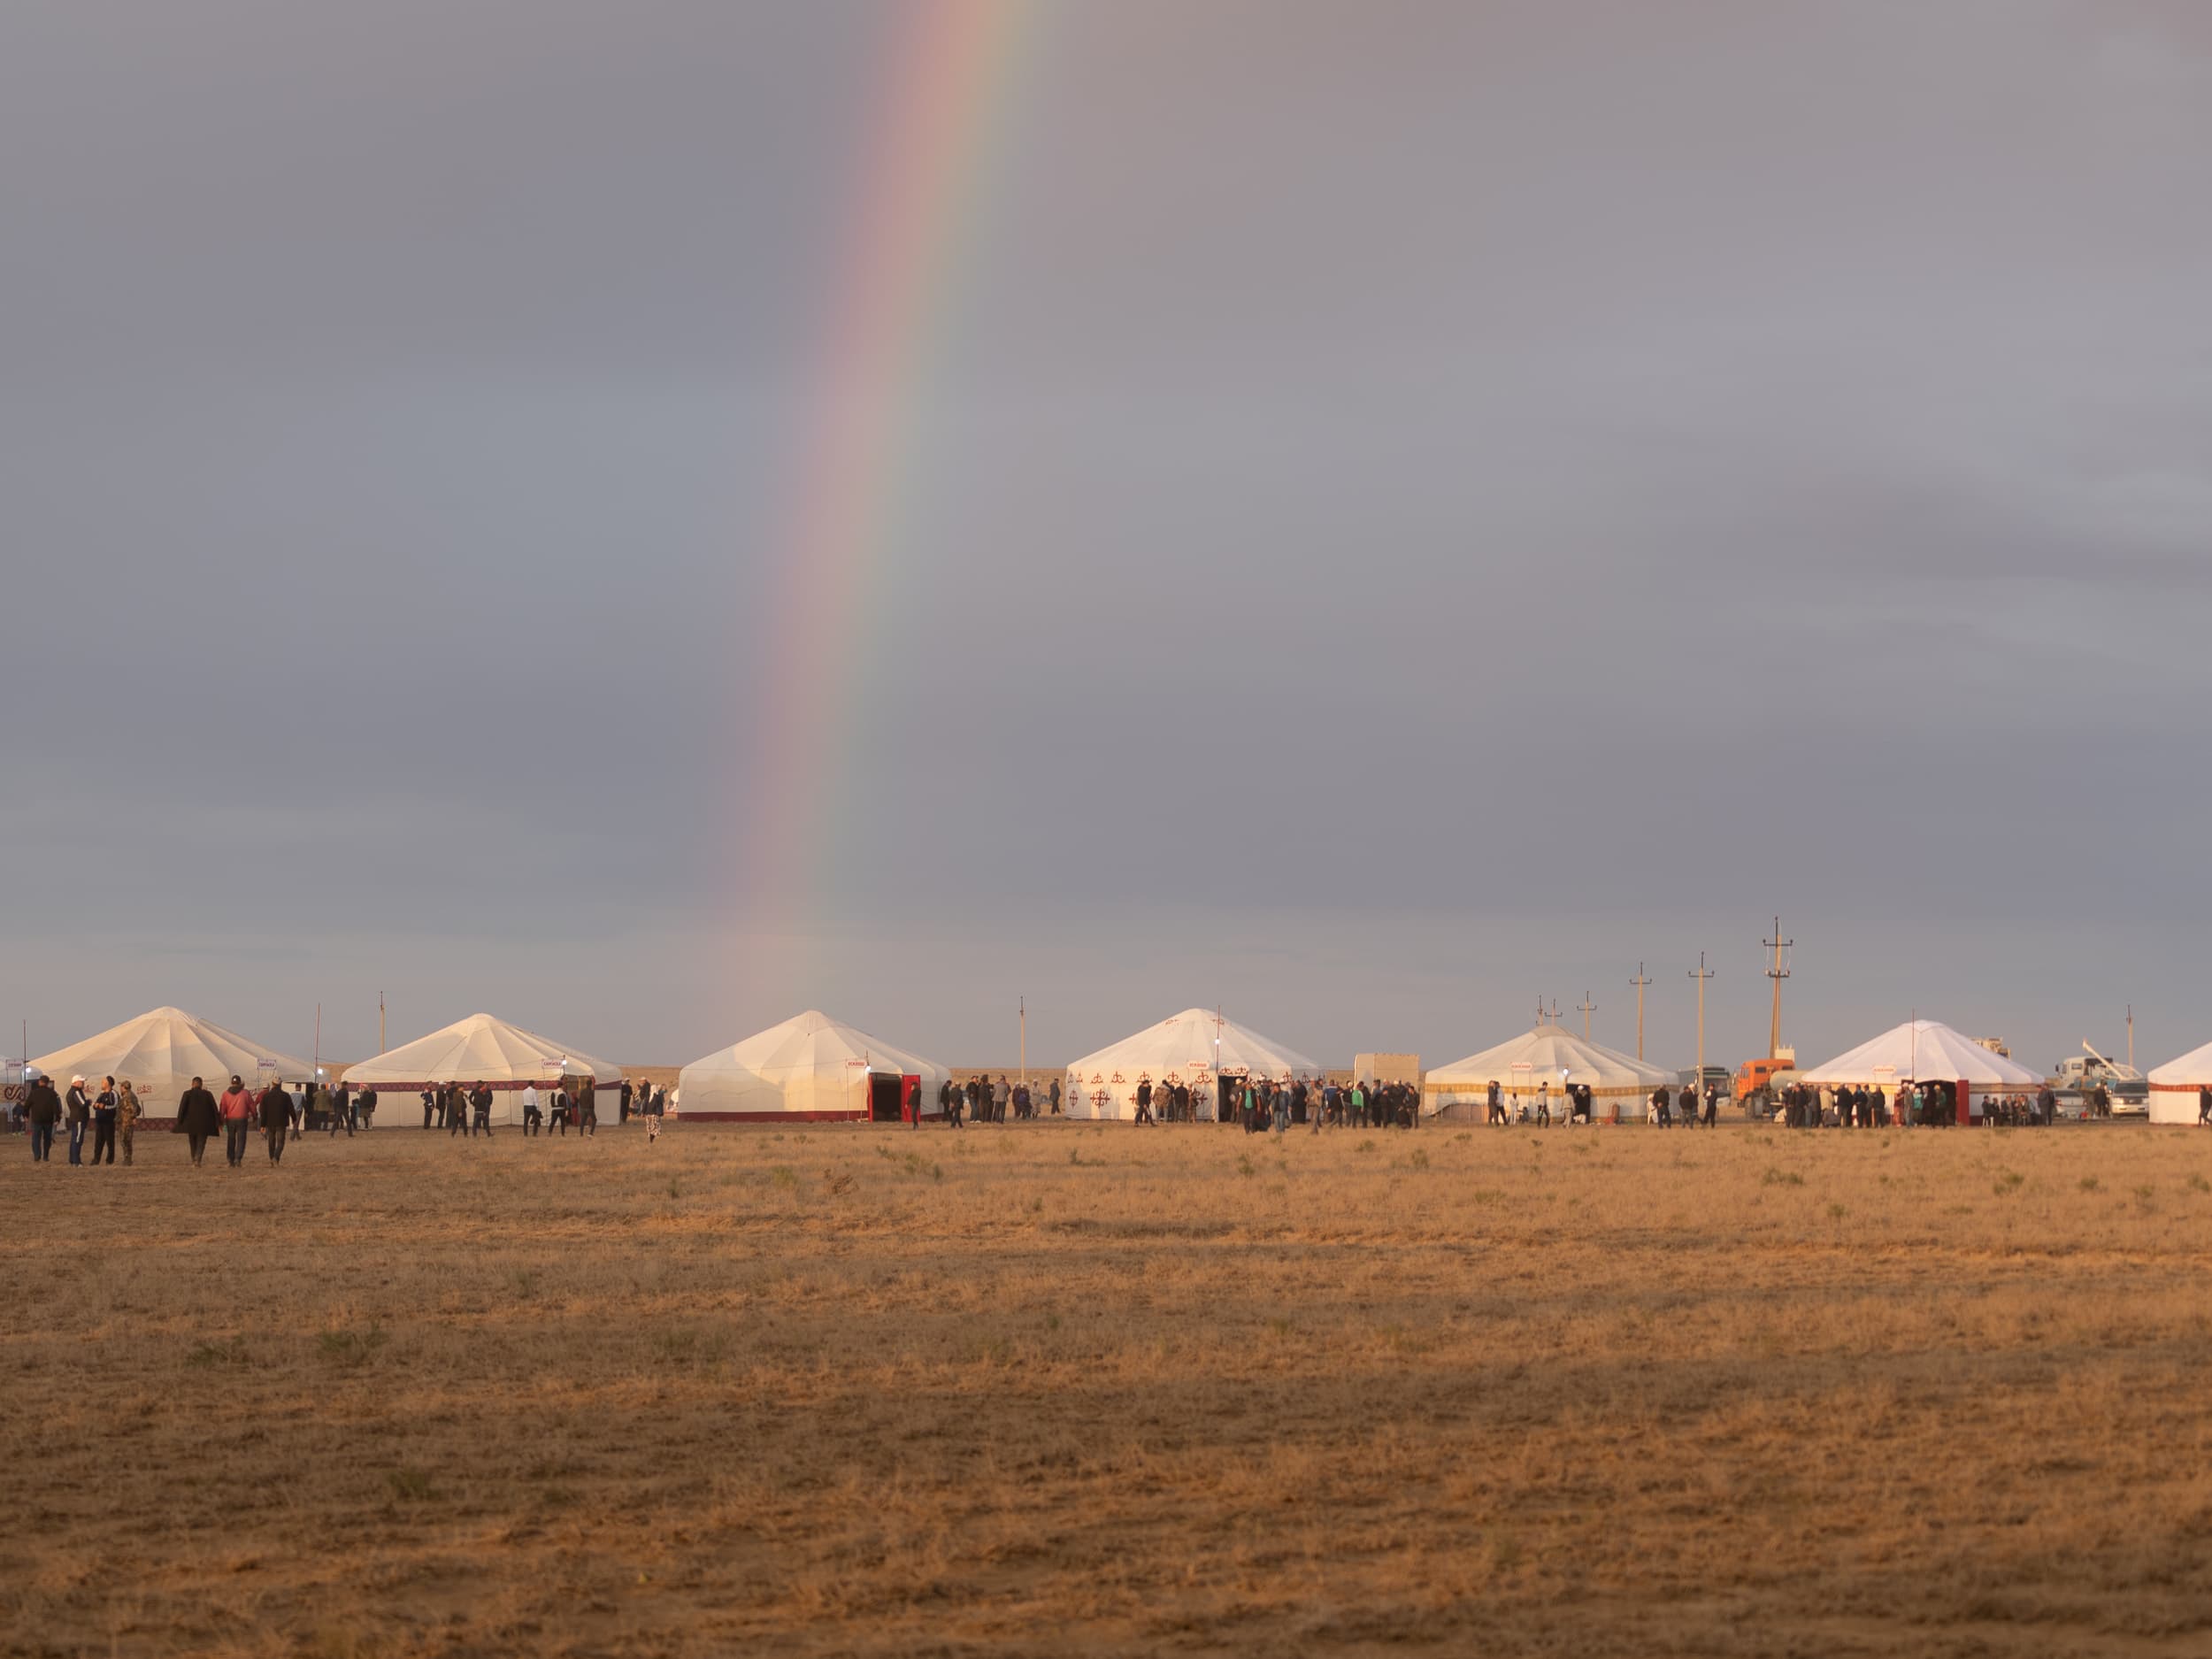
[80, 1109]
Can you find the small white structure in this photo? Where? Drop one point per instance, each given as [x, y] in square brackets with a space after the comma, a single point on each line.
[1550, 1056]
[162, 1051]
[811, 1069]
[478, 1049]
[1196, 1046]
[1926, 1051]
[2173, 1086]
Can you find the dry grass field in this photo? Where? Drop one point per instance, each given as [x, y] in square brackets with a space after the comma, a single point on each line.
[1098, 1390]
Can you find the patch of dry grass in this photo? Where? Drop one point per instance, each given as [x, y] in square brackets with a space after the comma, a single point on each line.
[889, 1391]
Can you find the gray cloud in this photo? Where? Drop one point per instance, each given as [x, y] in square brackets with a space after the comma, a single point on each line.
[1416, 505]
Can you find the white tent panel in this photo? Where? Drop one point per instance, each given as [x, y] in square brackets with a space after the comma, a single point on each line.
[1552, 1056]
[2173, 1086]
[482, 1048]
[1926, 1051]
[810, 1068]
[162, 1051]
[1196, 1046]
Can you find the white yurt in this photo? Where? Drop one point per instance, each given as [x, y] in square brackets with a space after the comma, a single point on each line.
[1196, 1046]
[2173, 1086]
[810, 1068]
[1552, 1055]
[159, 1052]
[1926, 1051]
[478, 1049]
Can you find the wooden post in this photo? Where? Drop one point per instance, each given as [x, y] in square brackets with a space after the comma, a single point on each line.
[1700, 974]
[1640, 982]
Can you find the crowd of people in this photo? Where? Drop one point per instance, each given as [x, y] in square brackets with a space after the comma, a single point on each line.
[103, 1116]
[985, 1101]
[1933, 1105]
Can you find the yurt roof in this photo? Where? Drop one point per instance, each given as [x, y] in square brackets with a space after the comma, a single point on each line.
[809, 1042]
[481, 1048]
[167, 1043]
[1196, 1036]
[1554, 1052]
[1924, 1051]
[2193, 1067]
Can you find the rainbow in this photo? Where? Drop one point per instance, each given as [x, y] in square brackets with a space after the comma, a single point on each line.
[917, 198]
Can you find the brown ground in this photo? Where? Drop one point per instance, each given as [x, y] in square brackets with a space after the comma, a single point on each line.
[1100, 1390]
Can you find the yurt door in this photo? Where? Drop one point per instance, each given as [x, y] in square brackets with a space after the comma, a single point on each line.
[910, 1100]
[886, 1096]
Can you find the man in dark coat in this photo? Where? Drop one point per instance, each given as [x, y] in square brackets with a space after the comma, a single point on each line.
[481, 1103]
[43, 1109]
[197, 1117]
[587, 1104]
[275, 1108]
[103, 1109]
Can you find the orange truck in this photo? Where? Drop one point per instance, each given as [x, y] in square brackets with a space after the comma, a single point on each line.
[1756, 1075]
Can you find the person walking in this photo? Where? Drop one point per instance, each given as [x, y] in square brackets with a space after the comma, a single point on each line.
[42, 1109]
[655, 1105]
[103, 1107]
[197, 1118]
[366, 1105]
[127, 1112]
[588, 1106]
[80, 1108]
[480, 1104]
[532, 1117]
[276, 1119]
[1056, 1098]
[239, 1109]
[2204, 1104]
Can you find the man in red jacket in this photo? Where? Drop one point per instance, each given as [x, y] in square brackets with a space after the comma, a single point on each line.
[238, 1108]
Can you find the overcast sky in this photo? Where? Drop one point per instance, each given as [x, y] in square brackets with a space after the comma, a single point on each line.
[1415, 507]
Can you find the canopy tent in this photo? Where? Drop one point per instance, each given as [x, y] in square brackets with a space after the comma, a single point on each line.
[478, 1049]
[1553, 1056]
[161, 1052]
[1196, 1046]
[810, 1068]
[1926, 1051]
[2173, 1086]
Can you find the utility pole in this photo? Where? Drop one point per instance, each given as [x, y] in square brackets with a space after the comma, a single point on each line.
[1588, 1007]
[1778, 973]
[1640, 982]
[1701, 973]
[379, 1022]
[2130, 1036]
[1022, 1004]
